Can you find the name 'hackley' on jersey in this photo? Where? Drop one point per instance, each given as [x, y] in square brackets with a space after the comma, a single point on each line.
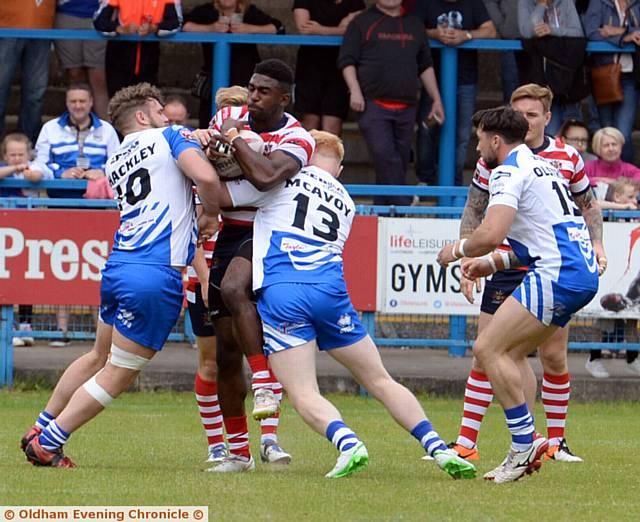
[548, 232]
[303, 226]
[157, 213]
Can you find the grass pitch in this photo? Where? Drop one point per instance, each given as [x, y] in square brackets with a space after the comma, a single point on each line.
[149, 449]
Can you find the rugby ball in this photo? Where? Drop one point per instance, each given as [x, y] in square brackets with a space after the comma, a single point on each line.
[613, 302]
[227, 167]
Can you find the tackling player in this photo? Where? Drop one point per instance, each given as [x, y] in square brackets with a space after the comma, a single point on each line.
[532, 206]
[533, 102]
[141, 290]
[300, 230]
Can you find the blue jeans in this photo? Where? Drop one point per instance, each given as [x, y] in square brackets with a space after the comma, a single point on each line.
[33, 58]
[388, 134]
[428, 138]
[509, 74]
[560, 113]
[622, 115]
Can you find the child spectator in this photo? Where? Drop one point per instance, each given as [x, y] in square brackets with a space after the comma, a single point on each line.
[621, 195]
[576, 133]
[16, 162]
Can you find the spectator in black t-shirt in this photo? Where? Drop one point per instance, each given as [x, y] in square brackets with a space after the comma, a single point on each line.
[321, 96]
[454, 22]
[229, 16]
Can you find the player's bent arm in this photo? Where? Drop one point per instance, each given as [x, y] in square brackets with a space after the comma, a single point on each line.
[195, 165]
[224, 197]
[491, 232]
[591, 213]
[264, 173]
[474, 209]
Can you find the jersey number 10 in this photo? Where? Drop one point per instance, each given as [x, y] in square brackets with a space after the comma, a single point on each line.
[134, 192]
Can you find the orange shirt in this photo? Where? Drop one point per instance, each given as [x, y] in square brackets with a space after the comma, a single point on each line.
[140, 11]
[27, 14]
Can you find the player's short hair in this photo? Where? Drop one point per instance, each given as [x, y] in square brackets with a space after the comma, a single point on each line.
[130, 99]
[329, 142]
[234, 96]
[535, 91]
[278, 70]
[611, 132]
[16, 137]
[505, 121]
[176, 98]
[80, 86]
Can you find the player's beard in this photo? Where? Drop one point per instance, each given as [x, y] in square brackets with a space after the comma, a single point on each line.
[491, 163]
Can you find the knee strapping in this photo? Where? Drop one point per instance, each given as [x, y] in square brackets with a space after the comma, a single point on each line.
[97, 392]
[127, 360]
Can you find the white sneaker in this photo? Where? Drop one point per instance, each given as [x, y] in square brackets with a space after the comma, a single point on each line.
[634, 367]
[272, 453]
[520, 463]
[350, 461]
[597, 369]
[450, 462]
[265, 404]
[561, 453]
[26, 327]
[217, 453]
[234, 464]
[490, 475]
[17, 342]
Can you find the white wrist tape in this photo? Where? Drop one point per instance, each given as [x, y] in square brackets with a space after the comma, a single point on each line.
[506, 261]
[461, 248]
[97, 392]
[492, 263]
[127, 360]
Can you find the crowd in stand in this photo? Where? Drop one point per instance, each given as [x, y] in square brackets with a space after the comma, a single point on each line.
[384, 72]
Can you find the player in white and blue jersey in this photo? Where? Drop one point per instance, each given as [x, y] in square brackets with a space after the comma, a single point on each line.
[531, 206]
[300, 230]
[141, 291]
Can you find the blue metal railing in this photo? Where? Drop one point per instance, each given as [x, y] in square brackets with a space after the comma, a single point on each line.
[222, 58]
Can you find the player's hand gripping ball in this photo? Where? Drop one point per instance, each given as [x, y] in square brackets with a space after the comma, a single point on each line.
[225, 163]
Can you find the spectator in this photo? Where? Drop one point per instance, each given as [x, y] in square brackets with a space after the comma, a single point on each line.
[607, 145]
[454, 22]
[16, 162]
[382, 55]
[129, 63]
[622, 194]
[617, 22]
[504, 14]
[176, 110]
[576, 133]
[75, 146]
[31, 56]
[228, 16]
[554, 54]
[83, 60]
[321, 95]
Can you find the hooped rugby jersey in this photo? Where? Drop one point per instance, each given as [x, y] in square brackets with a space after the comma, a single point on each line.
[208, 247]
[289, 136]
[300, 229]
[548, 232]
[157, 213]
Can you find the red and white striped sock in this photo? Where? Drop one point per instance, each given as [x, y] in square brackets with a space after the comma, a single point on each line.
[477, 398]
[556, 390]
[269, 426]
[237, 435]
[261, 376]
[209, 408]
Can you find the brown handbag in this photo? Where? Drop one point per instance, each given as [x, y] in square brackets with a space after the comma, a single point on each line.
[605, 80]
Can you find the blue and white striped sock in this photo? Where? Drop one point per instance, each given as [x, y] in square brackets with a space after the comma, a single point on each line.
[520, 424]
[428, 437]
[43, 419]
[341, 436]
[53, 437]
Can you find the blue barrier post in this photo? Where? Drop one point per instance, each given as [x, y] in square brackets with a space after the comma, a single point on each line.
[220, 74]
[458, 332]
[6, 346]
[447, 146]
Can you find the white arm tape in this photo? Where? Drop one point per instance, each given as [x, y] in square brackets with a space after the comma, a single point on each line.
[461, 247]
[492, 263]
[97, 392]
[506, 261]
[127, 360]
